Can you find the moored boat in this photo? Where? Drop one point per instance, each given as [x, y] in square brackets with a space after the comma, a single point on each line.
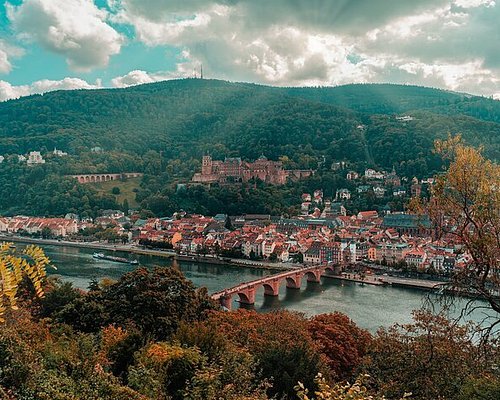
[101, 256]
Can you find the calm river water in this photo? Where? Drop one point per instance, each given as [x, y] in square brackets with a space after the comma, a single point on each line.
[369, 306]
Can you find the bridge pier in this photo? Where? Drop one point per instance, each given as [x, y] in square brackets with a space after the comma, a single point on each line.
[294, 282]
[226, 301]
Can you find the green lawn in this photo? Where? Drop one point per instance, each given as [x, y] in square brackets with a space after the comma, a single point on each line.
[126, 189]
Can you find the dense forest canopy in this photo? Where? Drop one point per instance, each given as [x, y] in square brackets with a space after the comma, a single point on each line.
[163, 129]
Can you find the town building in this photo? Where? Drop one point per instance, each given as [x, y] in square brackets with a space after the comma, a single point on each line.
[391, 252]
[343, 194]
[372, 174]
[59, 153]
[399, 191]
[352, 176]
[35, 157]
[379, 191]
[408, 224]
[404, 118]
[392, 179]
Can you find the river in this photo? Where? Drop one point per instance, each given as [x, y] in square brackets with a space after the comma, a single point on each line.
[369, 306]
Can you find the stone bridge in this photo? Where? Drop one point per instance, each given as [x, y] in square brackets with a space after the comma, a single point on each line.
[246, 291]
[92, 178]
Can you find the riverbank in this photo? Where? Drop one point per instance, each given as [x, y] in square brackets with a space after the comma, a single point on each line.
[376, 280]
[208, 259]
[153, 252]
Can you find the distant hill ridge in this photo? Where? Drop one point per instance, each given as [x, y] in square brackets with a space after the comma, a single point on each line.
[185, 118]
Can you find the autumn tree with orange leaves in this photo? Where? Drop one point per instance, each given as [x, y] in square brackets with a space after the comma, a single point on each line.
[342, 343]
[465, 208]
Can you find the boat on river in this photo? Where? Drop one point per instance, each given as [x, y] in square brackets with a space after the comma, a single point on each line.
[101, 256]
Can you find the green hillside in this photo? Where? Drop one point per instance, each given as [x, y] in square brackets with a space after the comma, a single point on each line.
[192, 116]
[162, 129]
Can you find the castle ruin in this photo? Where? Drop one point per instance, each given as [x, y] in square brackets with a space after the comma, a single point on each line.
[234, 170]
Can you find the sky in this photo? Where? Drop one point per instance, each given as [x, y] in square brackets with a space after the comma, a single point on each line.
[68, 44]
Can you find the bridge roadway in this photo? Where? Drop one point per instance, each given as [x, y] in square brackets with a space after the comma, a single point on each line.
[246, 291]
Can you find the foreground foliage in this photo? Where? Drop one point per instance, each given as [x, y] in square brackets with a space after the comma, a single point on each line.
[14, 267]
[153, 336]
[466, 207]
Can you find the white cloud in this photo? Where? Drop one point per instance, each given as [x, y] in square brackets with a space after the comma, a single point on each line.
[8, 91]
[447, 43]
[326, 42]
[454, 76]
[7, 52]
[474, 3]
[138, 77]
[76, 29]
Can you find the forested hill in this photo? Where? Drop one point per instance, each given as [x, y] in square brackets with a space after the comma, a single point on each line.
[163, 129]
[192, 116]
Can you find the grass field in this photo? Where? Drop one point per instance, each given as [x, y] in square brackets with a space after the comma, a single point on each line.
[126, 190]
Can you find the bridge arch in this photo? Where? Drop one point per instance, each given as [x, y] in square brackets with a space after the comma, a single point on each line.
[313, 276]
[330, 269]
[272, 288]
[293, 282]
[244, 298]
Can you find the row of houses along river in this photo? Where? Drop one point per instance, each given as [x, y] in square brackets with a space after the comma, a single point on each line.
[369, 306]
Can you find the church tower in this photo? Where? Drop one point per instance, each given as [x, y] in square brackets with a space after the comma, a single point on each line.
[206, 165]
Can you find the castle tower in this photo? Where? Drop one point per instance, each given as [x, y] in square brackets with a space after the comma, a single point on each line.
[416, 188]
[206, 165]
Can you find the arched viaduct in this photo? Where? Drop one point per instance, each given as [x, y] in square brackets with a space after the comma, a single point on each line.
[92, 178]
[246, 291]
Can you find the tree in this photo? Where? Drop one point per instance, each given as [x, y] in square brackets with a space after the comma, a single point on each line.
[431, 358]
[125, 207]
[341, 341]
[228, 224]
[156, 301]
[46, 232]
[281, 344]
[57, 297]
[14, 266]
[465, 206]
[115, 190]
[341, 391]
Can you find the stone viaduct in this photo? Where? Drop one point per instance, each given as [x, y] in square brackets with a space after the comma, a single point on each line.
[246, 291]
[92, 178]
